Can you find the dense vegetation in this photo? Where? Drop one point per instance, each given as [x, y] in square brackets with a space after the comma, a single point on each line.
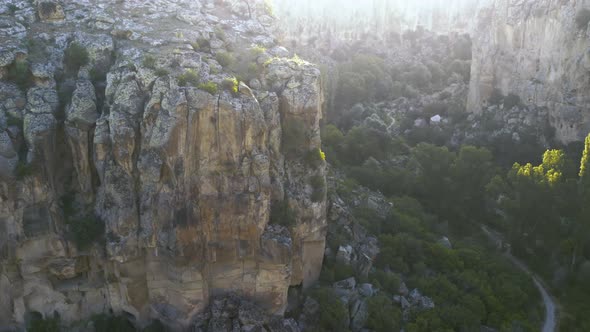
[447, 179]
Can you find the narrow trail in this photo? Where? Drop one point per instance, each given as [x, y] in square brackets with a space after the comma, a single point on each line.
[550, 324]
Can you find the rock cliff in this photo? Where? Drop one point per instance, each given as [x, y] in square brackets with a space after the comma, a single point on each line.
[537, 50]
[138, 176]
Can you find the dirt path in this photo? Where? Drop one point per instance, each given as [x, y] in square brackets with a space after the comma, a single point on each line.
[550, 324]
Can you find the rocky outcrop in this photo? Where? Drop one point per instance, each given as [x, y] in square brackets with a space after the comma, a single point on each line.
[125, 188]
[536, 50]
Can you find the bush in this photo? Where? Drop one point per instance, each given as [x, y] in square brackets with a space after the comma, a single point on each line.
[230, 84]
[315, 158]
[383, 316]
[188, 78]
[225, 59]
[318, 184]
[582, 18]
[149, 62]
[511, 100]
[210, 87]
[282, 214]
[39, 324]
[85, 231]
[75, 56]
[108, 323]
[19, 73]
[294, 136]
[333, 315]
[161, 72]
[23, 170]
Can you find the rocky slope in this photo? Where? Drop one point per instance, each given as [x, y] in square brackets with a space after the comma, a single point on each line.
[181, 179]
[537, 50]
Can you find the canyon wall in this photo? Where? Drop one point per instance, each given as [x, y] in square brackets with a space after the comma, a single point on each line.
[537, 50]
[178, 179]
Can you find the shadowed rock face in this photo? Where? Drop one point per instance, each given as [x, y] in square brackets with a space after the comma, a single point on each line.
[534, 49]
[182, 179]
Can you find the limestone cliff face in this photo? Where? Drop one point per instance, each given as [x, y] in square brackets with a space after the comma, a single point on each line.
[535, 49]
[182, 179]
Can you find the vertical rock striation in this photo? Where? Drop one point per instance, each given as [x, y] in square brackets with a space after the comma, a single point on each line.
[182, 179]
[537, 50]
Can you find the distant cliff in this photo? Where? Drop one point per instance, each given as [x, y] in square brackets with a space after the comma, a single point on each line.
[138, 175]
[535, 49]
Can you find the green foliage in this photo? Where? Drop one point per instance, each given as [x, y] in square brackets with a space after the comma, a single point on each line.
[318, 184]
[511, 100]
[333, 315]
[85, 231]
[210, 87]
[201, 44]
[149, 62]
[40, 324]
[19, 73]
[268, 8]
[582, 18]
[294, 136]
[364, 78]
[387, 281]
[188, 78]
[12, 8]
[230, 84]
[109, 323]
[219, 33]
[225, 59]
[418, 76]
[13, 121]
[383, 316]
[282, 214]
[585, 161]
[23, 169]
[161, 72]
[75, 56]
[315, 158]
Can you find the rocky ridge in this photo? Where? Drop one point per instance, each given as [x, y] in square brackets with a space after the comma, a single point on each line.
[177, 180]
[534, 49]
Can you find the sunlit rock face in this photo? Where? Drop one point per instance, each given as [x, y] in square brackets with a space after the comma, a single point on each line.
[536, 50]
[182, 178]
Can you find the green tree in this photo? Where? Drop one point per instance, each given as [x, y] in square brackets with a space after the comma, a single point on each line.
[383, 316]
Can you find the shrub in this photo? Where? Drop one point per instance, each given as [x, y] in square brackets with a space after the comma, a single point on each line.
[188, 78]
[161, 72]
[19, 73]
[230, 84]
[108, 323]
[219, 33]
[40, 324]
[97, 75]
[282, 214]
[225, 59]
[496, 97]
[582, 18]
[12, 8]
[23, 170]
[511, 100]
[315, 158]
[257, 50]
[85, 231]
[294, 136]
[318, 184]
[388, 281]
[383, 316]
[75, 56]
[333, 315]
[210, 87]
[149, 62]
[201, 44]
[13, 121]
